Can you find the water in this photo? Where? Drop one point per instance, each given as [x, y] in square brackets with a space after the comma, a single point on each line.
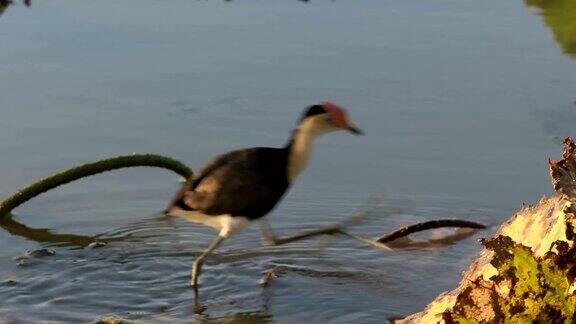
[462, 103]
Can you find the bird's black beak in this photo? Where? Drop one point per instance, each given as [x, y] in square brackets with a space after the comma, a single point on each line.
[355, 130]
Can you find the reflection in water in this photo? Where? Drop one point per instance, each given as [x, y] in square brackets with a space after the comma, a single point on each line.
[243, 317]
[5, 3]
[560, 16]
[44, 235]
[450, 239]
[262, 315]
[558, 122]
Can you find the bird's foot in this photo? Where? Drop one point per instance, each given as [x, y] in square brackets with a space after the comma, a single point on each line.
[268, 276]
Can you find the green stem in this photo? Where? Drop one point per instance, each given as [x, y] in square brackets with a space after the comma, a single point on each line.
[89, 169]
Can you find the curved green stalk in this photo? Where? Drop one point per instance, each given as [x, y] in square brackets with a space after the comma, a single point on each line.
[89, 169]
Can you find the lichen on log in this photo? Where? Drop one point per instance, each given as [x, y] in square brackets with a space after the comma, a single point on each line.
[527, 272]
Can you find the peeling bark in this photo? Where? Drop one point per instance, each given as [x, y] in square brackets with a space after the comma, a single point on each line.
[527, 271]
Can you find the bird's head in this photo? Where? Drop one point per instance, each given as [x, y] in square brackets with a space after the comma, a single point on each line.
[325, 118]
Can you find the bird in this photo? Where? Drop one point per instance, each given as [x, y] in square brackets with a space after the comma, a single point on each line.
[243, 186]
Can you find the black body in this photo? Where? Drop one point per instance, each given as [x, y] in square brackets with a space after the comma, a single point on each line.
[246, 183]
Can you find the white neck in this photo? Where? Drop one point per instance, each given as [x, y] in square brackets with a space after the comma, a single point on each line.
[301, 148]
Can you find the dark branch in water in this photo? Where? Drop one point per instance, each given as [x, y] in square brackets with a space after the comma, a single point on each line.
[405, 231]
[380, 242]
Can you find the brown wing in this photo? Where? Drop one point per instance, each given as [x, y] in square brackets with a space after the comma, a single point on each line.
[193, 181]
[244, 183]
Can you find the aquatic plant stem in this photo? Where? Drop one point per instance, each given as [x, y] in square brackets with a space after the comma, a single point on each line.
[439, 223]
[379, 242]
[89, 169]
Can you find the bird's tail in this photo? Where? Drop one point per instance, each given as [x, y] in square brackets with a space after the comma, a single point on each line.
[177, 200]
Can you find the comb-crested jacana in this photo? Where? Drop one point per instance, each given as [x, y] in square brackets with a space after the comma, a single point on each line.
[244, 185]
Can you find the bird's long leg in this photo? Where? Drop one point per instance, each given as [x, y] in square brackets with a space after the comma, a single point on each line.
[270, 238]
[197, 266]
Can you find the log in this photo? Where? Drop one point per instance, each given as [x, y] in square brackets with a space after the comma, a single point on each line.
[526, 273]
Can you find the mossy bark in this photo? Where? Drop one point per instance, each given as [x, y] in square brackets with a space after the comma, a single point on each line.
[527, 272]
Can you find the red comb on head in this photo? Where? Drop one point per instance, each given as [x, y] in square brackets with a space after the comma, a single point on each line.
[337, 113]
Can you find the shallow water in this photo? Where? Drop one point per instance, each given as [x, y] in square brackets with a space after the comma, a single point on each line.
[462, 103]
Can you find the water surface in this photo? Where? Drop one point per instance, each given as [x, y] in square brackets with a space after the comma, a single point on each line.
[462, 103]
